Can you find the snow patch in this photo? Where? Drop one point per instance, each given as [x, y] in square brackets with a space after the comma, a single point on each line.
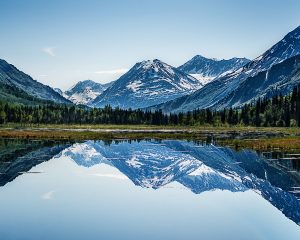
[134, 162]
[202, 79]
[135, 85]
[203, 169]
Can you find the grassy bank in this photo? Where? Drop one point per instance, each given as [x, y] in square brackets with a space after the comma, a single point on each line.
[203, 128]
[283, 143]
[58, 134]
[237, 137]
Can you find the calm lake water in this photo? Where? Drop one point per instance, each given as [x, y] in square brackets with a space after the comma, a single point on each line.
[146, 190]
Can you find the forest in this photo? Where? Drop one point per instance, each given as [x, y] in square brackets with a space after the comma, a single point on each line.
[278, 111]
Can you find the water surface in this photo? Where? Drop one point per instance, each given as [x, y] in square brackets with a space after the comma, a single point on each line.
[146, 190]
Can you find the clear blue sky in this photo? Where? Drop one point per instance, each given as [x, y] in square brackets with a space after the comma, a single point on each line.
[60, 42]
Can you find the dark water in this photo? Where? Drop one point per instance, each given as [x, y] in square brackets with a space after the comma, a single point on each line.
[146, 190]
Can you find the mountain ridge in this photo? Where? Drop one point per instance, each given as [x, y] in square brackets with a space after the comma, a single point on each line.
[146, 83]
[212, 94]
[206, 69]
[11, 76]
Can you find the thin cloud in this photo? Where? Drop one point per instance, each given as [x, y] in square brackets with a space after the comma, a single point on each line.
[48, 195]
[42, 75]
[113, 71]
[49, 51]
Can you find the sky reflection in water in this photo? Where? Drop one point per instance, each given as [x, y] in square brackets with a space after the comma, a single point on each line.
[147, 189]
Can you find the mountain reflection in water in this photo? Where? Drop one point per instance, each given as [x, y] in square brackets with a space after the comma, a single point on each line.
[154, 164]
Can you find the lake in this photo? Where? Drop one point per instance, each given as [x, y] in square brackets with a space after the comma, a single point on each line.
[146, 189]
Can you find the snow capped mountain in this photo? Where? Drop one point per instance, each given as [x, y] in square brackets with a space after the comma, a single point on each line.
[84, 92]
[288, 47]
[214, 94]
[11, 76]
[147, 83]
[280, 78]
[206, 69]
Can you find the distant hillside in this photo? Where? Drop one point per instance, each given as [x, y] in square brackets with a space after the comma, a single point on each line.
[11, 76]
[12, 94]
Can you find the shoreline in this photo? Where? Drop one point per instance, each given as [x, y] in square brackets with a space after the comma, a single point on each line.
[237, 137]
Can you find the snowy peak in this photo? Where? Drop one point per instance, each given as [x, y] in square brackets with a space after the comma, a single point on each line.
[147, 83]
[212, 67]
[152, 64]
[84, 92]
[288, 47]
[156, 68]
[206, 69]
[83, 85]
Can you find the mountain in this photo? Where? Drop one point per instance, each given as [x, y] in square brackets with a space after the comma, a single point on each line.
[13, 94]
[280, 78]
[216, 93]
[84, 92]
[206, 69]
[147, 83]
[12, 78]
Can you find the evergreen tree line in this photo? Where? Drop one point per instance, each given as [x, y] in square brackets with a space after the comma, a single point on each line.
[281, 111]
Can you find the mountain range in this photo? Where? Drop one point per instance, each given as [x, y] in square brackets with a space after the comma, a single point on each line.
[230, 90]
[152, 84]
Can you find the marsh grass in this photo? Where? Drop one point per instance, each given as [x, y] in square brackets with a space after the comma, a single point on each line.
[283, 138]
